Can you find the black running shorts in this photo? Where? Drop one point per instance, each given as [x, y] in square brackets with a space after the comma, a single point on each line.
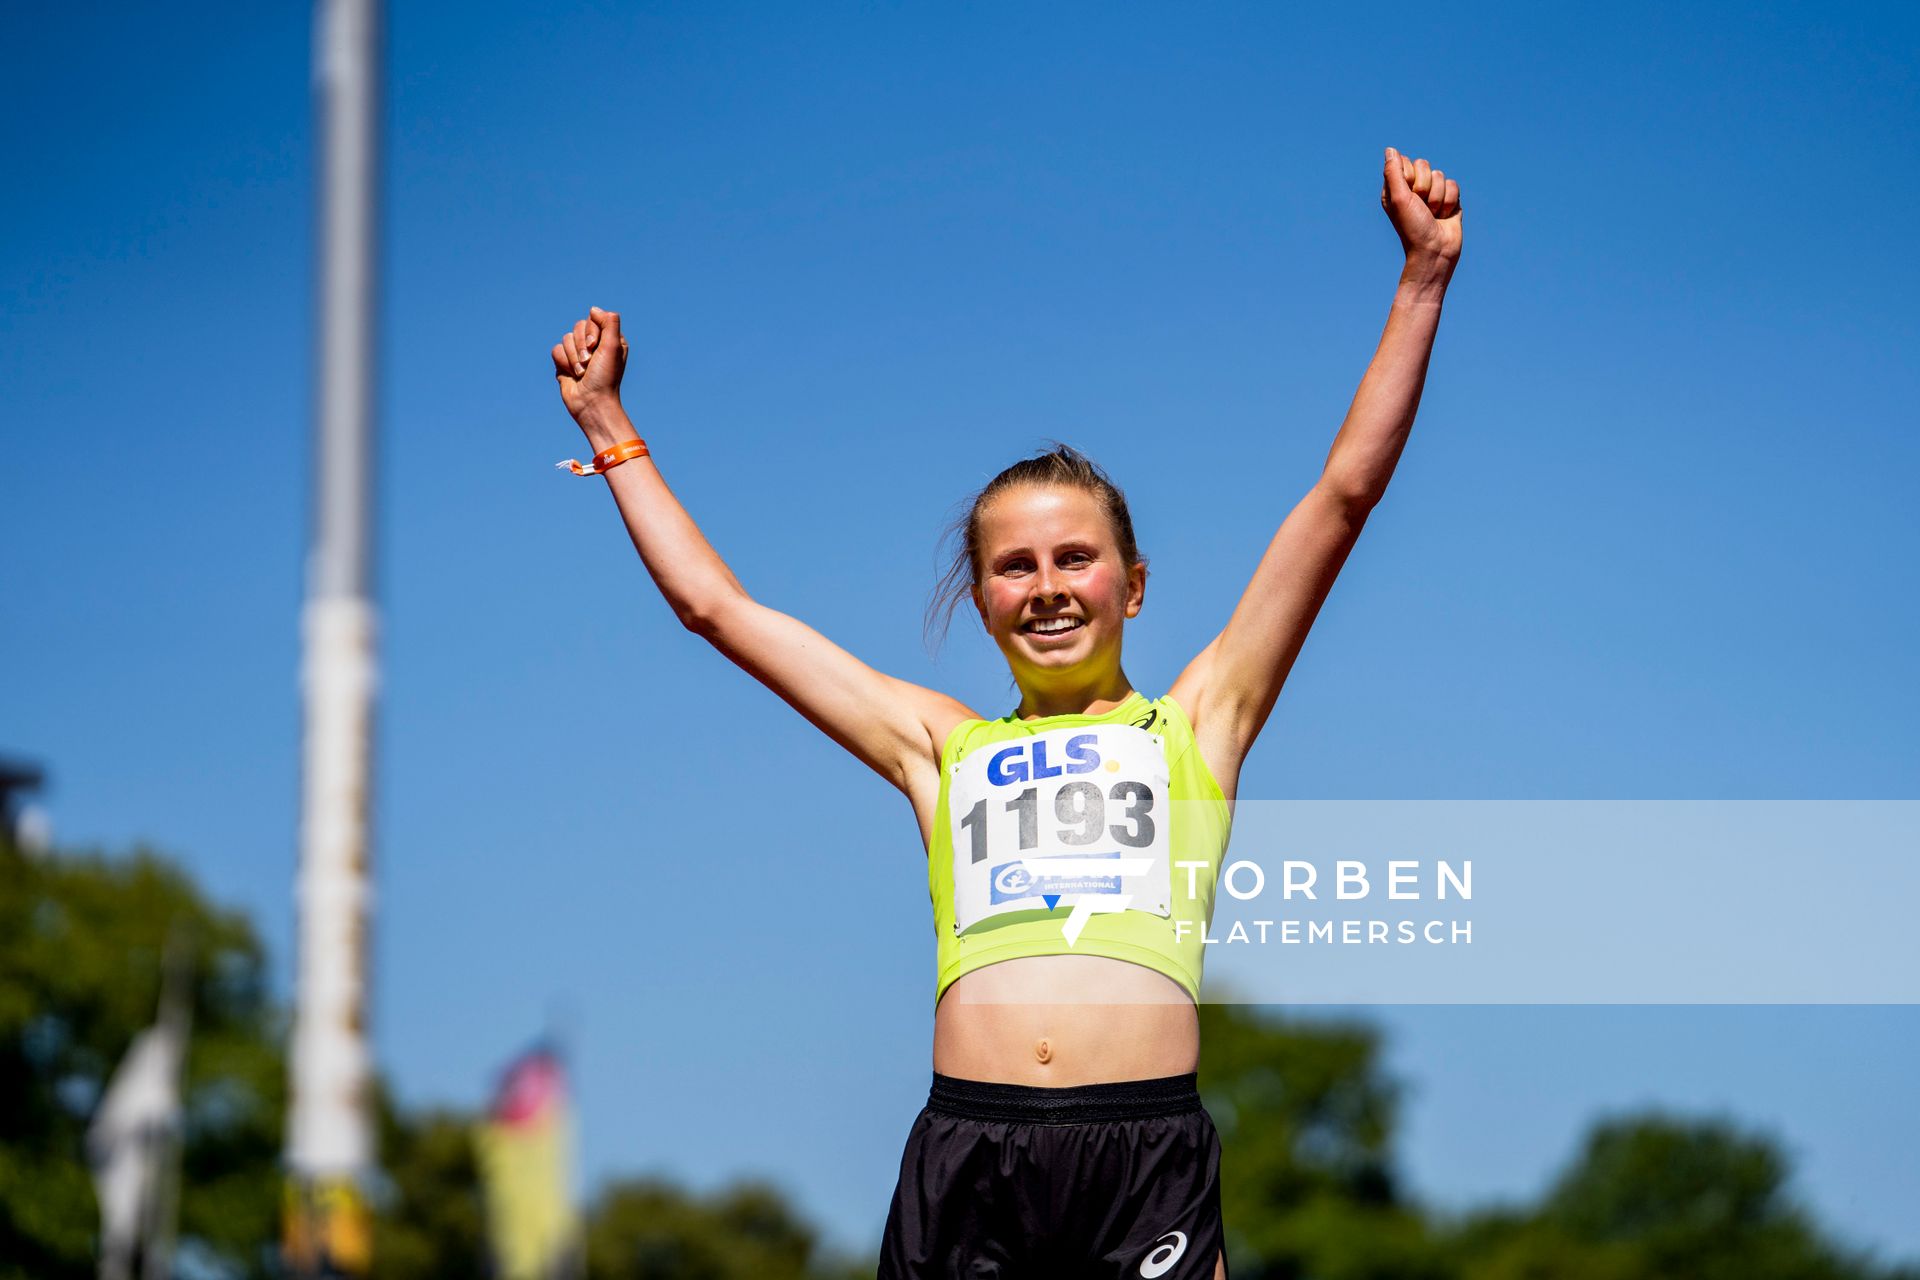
[1009, 1182]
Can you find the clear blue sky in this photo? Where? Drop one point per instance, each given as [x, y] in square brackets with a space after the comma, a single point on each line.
[1654, 537]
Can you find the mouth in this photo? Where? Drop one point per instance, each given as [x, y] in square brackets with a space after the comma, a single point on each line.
[1052, 628]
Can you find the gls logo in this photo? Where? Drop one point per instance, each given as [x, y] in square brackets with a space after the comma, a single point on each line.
[1010, 766]
[1167, 1251]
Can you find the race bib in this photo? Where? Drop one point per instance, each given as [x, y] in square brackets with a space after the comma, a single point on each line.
[1035, 820]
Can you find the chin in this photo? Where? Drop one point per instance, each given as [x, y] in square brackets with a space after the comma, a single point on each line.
[1058, 659]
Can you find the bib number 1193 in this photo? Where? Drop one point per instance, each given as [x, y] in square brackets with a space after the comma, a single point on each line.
[1034, 819]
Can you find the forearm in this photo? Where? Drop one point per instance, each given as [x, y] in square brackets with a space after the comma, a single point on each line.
[1370, 441]
[683, 564]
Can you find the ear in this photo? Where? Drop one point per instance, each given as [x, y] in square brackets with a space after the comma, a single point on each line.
[980, 607]
[1136, 589]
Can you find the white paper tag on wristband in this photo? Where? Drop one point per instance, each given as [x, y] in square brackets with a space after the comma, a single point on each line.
[1038, 822]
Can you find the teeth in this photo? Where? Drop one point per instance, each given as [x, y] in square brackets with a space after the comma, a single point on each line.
[1052, 626]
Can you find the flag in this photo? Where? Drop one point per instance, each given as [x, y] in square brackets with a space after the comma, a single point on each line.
[132, 1142]
[526, 1155]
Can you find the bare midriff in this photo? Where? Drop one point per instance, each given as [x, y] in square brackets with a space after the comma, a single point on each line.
[1065, 1020]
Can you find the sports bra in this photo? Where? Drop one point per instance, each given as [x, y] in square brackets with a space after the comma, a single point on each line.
[1092, 835]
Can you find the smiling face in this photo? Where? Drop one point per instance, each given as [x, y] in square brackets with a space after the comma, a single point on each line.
[1053, 588]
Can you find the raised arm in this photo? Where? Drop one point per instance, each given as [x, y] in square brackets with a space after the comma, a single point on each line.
[1230, 688]
[893, 726]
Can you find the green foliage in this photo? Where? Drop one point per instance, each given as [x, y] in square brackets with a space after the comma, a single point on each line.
[646, 1229]
[81, 946]
[1695, 1197]
[1522, 1246]
[1668, 1184]
[1306, 1117]
[1653, 1196]
[428, 1215]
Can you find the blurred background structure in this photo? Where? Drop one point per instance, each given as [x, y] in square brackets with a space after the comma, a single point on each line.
[19, 819]
[330, 1123]
[1653, 538]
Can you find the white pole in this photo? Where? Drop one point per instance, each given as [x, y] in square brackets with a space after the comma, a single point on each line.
[330, 1131]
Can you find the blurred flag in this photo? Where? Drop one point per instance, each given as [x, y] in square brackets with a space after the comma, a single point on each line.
[132, 1142]
[526, 1156]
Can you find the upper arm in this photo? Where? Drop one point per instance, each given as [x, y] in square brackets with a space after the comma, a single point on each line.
[1229, 689]
[895, 727]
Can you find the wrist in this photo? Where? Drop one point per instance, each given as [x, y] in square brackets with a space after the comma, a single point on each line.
[1424, 279]
[606, 426]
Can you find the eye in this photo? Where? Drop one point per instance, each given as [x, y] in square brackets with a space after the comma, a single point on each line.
[1075, 560]
[1016, 567]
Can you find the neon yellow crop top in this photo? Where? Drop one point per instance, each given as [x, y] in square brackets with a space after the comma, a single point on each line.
[1076, 825]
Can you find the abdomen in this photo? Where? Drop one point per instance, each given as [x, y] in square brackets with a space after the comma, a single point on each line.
[1065, 1020]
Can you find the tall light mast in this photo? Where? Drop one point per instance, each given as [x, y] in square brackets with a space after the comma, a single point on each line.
[330, 1146]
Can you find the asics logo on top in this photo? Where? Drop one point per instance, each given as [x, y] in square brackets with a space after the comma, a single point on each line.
[1167, 1250]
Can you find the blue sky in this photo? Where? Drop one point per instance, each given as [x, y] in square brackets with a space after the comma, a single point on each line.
[1654, 536]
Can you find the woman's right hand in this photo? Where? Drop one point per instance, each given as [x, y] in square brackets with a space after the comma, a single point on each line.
[588, 363]
[894, 727]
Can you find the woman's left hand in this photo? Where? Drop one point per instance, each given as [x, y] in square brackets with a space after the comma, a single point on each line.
[1424, 207]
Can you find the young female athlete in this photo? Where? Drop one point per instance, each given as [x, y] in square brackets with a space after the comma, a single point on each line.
[1073, 844]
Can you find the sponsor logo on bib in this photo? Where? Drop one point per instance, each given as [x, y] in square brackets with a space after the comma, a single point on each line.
[1033, 878]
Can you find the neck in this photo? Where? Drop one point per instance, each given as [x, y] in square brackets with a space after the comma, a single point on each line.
[1085, 698]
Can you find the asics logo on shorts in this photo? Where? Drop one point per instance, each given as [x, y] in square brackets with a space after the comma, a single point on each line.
[1166, 1251]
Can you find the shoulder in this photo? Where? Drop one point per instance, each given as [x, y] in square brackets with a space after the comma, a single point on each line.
[924, 718]
[946, 723]
[956, 737]
[1170, 709]
[1216, 758]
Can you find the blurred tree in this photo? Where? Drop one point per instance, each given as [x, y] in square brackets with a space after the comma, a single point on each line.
[428, 1219]
[1695, 1198]
[1653, 1196]
[81, 943]
[646, 1229]
[1306, 1119]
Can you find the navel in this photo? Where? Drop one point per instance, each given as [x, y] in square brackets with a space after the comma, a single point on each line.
[1043, 1051]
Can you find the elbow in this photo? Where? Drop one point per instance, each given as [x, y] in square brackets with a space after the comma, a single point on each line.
[702, 619]
[1353, 496]
[707, 616]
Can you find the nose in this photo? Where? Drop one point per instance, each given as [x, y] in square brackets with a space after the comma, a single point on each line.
[1047, 587]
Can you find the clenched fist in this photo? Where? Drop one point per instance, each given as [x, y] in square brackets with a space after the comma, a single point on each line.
[1424, 206]
[588, 363]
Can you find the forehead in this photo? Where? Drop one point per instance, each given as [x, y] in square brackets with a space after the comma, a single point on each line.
[1039, 515]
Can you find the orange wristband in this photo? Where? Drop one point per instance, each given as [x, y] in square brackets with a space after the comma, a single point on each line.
[607, 459]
